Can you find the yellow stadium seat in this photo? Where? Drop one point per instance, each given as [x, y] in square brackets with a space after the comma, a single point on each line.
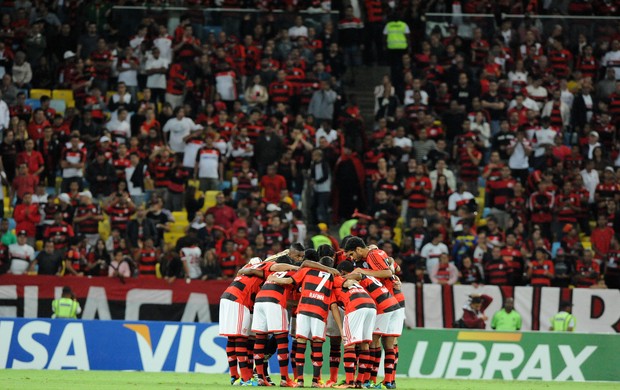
[179, 216]
[63, 94]
[38, 245]
[140, 95]
[179, 227]
[70, 103]
[171, 238]
[37, 93]
[586, 245]
[210, 198]
[398, 235]
[104, 229]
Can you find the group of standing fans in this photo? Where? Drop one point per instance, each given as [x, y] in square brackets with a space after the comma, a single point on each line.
[351, 296]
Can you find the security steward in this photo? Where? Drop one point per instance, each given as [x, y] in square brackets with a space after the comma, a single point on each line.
[564, 321]
[67, 306]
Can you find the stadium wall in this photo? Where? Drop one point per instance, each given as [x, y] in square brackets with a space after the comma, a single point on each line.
[196, 347]
[428, 306]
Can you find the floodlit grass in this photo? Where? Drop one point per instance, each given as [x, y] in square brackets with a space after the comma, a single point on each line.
[64, 380]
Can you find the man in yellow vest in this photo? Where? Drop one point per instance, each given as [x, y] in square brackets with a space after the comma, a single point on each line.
[396, 34]
[67, 306]
[564, 321]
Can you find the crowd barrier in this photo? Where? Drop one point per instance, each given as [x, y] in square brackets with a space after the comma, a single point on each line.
[427, 306]
[197, 347]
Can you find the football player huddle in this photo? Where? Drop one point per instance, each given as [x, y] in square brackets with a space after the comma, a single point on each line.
[353, 297]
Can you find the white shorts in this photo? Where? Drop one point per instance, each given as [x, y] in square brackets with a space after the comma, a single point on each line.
[235, 319]
[382, 323]
[269, 317]
[332, 328]
[310, 328]
[358, 326]
[395, 327]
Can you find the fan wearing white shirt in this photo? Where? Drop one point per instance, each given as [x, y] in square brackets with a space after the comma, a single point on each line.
[433, 250]
[190, 256]
[164, 43]
[298, 30]
[178, 128]
[325, 131]
[156, 67]
[120, 126]
[21, 255]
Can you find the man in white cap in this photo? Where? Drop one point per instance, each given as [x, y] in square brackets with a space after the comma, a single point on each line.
[87, 217]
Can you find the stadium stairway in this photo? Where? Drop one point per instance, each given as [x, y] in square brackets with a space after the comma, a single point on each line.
[367, 77]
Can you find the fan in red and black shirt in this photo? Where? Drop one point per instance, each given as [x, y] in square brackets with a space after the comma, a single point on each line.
[102, 62]
[120, 209]
[147, 258]
[513, 258]
[500, 191]
[60, 233]
[496, 270]
[161, 164]
[281, 90]
[229, 259]
[540, 205]
[587, 272]
[417, 189]
[540, 270]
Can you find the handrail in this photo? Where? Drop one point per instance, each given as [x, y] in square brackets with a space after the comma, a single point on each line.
[521, 16]
[239, 10]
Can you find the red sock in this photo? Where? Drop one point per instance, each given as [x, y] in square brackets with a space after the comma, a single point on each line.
[283, 355]
[334, 357]
[363, 365]
[349, 365]
[242, 357]
[375, 358]
[300, 360]
[259, 353]
[232, 358]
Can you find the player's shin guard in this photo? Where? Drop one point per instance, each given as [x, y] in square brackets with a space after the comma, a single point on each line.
[317, 359]
[232, 357]
[242, 357]
[334, 357]
[375, 358]
[300, 360]
[363, 365]
[283, 356]
[388, 364]
[349, 365]
[259, 354]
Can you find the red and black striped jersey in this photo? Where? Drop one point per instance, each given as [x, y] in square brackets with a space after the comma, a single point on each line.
[59, 234]
[316, 292]
[75, 257]
[281, 92]
[148, 262]
[500, 192]
[89, 225]
[160, 170]
[244, 289]
[353, 297]
[230, 263]
[119, 216]
[275, 293]
[539, 270]
[497, 272]
[382, 296]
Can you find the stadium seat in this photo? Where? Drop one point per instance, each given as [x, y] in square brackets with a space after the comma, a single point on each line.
[37, 93]
[179, 227]
[63, 94]
[70, 103]
[34, 103]
[171, 238]
[179, 216]
[210, 198]
[59, 105]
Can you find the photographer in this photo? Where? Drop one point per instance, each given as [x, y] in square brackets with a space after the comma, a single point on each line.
[67, 306]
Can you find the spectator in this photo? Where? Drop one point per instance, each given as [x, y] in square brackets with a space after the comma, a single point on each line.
[179, 127]
[101, 176]
[48, 261]
[322, 102]
[223, 214]
[432, 251]
[24, 183]
[473, 312]
[320, 179]
[444, 272]
[140, 229]
[119, 266]
[209, 167]
[21, 255]
[540, 271]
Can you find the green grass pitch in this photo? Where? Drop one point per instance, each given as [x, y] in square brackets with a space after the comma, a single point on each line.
[63, 380]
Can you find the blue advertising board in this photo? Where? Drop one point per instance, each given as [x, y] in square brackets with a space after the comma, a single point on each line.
[112, 345]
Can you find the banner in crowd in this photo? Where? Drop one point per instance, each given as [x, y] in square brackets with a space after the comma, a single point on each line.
[197, 347]
[428, 306]
[436, 306]
[112, 299]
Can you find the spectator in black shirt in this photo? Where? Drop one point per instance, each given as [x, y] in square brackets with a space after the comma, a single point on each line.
[48, 260]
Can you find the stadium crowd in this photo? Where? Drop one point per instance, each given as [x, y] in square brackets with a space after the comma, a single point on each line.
[490, 157]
